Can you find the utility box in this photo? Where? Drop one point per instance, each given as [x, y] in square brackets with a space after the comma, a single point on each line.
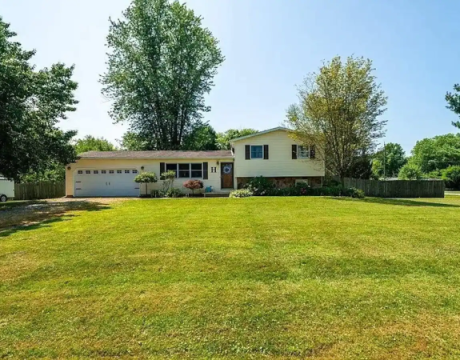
[6, 189]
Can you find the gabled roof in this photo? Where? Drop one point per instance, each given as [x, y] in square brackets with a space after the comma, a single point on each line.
[164, 154]
[260, 133]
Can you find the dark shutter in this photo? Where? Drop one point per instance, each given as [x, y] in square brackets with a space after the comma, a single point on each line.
[312, 151]
[233, 150]
[294, 152]
[205, 171]
[162, 170]
[265, 152]
[248, 152]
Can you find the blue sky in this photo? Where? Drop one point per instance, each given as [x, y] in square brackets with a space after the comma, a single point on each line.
[270, 46]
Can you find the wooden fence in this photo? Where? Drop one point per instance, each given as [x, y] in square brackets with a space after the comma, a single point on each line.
[41, 190]
[399, 188]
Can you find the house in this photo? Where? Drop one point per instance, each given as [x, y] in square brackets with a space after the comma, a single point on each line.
[271, 153]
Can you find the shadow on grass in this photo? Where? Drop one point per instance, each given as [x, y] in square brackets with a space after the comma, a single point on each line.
[399, 202]
[35, 215]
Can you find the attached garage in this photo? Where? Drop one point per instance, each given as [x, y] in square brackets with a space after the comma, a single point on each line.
[105, 182]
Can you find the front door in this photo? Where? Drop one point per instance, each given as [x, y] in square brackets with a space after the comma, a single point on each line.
[226, 174]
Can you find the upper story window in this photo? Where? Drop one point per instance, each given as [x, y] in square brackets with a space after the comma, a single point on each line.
[303, 152]
[257, 152]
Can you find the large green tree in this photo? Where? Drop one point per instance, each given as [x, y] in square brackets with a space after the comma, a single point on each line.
[32, 102]
[436, 153]
[223, 138]
[453, 103]
[162, 62]
[339, 111]
[91, 143]
[388, 161]
[202, 137]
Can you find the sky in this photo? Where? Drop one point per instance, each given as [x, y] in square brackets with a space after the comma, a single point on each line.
[270, 46]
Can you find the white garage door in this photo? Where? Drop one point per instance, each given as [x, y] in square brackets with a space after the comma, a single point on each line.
[106, 182]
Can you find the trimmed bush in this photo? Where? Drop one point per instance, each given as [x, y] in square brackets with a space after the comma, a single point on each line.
[146, 178]
[241, 193]
[193, 185]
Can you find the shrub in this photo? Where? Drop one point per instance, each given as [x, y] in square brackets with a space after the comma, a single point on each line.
[410, 172]
[173, 193]
[241, 193]
[168, 178]
[193, 185]
[146, 178]
[155, 193]
[451, 176]
[261, 186]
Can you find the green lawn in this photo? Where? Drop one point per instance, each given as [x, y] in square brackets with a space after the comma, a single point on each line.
[235, 278]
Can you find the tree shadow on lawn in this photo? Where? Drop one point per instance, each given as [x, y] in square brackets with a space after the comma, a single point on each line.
[35, 215]
[399, 202]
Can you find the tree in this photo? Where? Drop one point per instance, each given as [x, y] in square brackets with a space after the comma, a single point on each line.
[437, 153]
[31, 105]
[133, 142]
[161, 65]
[223, 139]
[146, 178]
[451, 176]
[202, 137]
[339, 111]
[90, 143]
[388, 161]
[410, 171]
[453, 101]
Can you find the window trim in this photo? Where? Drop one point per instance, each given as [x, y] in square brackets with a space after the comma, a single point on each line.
[250, 152]
[299, 152]
[190, 170]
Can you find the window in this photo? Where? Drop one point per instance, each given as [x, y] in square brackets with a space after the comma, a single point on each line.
[119, 172]
[88, 172]
[134, 171]
[303, 152]
[103, 171]
[197, 170]
[184, 170]
[257, 152]
[111, 171]
[171, 167]
[96, 172]
[80, 172]
[126, 171]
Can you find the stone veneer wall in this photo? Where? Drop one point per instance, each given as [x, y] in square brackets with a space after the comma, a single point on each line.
[282, 182]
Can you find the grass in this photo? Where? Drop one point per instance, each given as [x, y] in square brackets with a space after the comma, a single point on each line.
[235, 278]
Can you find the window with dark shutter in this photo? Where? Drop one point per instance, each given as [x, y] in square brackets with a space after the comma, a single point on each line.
[162, 170]
[247, 154]
[312, 151]
[205, 171]
[265, 152]
[294, 151]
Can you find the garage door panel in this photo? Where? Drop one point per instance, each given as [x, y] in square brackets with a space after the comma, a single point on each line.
[106, 182]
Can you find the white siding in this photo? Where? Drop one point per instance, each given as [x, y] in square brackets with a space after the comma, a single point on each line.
[280, 162]
[149, 166]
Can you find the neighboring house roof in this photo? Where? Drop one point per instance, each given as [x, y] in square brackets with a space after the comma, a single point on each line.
[260, 133]
[167, 154]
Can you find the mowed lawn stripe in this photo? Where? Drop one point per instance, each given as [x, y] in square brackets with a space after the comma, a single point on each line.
[236, 278]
